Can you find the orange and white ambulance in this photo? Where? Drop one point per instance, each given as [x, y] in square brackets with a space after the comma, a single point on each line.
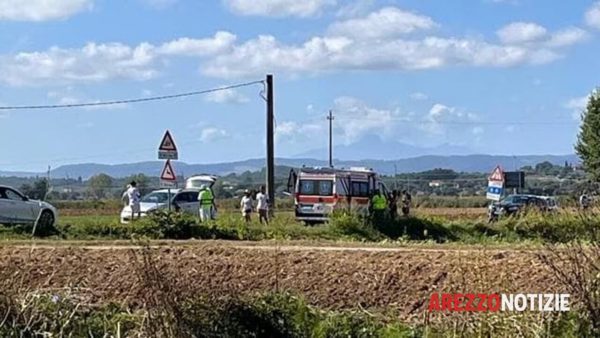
[320, 191]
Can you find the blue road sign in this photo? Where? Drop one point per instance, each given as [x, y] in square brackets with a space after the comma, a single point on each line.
[495, 190]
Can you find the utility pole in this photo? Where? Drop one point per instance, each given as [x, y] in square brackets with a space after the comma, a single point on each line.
[47, 183]
[330, 118]
[270, 143]
[395, 177]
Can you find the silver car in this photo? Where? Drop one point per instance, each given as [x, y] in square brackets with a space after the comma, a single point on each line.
[185, 200]
[16, 208]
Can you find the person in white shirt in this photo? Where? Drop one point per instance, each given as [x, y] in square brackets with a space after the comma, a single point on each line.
[246, 205]
[132, 194]
[262, 206]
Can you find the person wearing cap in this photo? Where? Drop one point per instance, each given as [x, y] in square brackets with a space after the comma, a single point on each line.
[247, 205]
[207, 200]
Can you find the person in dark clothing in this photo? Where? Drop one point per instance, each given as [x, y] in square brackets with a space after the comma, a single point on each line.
[393, 204]
[406, 202]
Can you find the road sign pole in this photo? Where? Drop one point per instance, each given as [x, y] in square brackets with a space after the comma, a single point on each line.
[270, 144]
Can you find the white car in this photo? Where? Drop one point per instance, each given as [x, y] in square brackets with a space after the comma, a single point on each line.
[16, 208]
[184, 200]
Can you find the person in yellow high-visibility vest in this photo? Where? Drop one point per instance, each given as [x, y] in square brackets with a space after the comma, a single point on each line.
[378, 205]
[207, 201]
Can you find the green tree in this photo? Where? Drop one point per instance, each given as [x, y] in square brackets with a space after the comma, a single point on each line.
[99, 185]
[144, 183]
[38, 191]
[588, 140]
[544, 168]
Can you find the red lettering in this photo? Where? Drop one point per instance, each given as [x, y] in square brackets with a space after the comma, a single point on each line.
[458, 299]
[447, 302]
[493, 302]
[434, 302]
[481, 303]
[470, 299]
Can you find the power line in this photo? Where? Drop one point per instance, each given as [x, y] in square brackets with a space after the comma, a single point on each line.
[126, 101]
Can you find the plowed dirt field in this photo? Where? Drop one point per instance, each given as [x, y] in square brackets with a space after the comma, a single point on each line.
[330, 277]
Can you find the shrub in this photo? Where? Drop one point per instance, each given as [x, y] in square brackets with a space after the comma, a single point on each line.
[354, 226]
[164, 225]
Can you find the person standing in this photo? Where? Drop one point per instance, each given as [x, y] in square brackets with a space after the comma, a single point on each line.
[207, 200]
[262, 205]
[247, 205]
[584, 201]
[406, 202]
[378, 205]
[132, 195]
[393, 204]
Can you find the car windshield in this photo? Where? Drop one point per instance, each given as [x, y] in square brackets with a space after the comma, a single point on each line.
[156, 197]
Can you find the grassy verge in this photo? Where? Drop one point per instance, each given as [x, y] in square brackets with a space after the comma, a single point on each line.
[261, 315]
[530, 228]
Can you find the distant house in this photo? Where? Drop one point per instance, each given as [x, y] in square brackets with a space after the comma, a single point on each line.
[438, 184]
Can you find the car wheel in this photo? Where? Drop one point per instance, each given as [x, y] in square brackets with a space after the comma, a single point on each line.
[45, 222]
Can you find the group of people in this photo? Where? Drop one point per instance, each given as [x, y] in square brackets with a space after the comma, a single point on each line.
[262, 205]
[207, 206]
[380, 205]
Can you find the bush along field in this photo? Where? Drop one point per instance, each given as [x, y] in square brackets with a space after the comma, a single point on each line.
[265, 315]
[344, 226]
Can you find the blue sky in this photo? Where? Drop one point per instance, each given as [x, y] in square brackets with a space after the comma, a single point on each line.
[490, 76]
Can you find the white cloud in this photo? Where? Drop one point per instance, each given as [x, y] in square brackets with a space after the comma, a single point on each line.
[356, 8]
[279, 8]
[521, 32]
[567, 37]
[219, 43]
[212, 134]
[534, 36]
[577, 105]
[368, 44]
[100, 62]
[353, 119]
[91, 63]
[418, 96]
[372, 43]
[296, 132]
[441, 117]
[385, 23]
[266, 54]
[592, 16]
[226, 96]
[41, 10]
[357, 119]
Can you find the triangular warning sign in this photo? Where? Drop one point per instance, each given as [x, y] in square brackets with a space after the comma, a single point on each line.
[497, 175]
[167, 143]
[168, 174]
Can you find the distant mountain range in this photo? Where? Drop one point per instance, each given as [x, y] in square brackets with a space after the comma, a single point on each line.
[372, 147]
[461, 163]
